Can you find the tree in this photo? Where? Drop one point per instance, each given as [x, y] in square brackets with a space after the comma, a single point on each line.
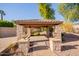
[2, 14]
[46, 11]
[70, 11]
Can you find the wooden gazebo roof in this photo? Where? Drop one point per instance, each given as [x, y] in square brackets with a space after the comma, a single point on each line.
[37, 23]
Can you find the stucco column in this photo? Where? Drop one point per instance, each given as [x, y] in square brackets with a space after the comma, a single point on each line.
[57, 32]
[23, 47]
[29, 32]
[55, 42]
[20, 31]
[23, 39]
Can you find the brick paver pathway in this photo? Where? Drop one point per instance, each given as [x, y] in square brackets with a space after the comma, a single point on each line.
[40, 46]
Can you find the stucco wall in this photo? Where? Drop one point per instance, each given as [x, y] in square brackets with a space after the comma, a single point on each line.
[76, 28]
[7, 31]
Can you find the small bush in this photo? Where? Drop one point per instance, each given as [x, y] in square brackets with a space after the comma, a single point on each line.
[37, 32]
[67, 27]
[6, 24]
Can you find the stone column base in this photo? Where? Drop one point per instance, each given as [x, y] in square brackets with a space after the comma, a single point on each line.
[23, 46]
[55, 44]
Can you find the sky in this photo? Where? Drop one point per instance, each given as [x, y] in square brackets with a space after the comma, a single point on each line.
[20, 11]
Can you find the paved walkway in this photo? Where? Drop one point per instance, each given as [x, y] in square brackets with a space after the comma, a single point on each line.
[40, 46]
[70, 47]
[6, 42]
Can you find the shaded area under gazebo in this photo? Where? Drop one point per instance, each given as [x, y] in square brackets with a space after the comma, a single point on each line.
[24, 33]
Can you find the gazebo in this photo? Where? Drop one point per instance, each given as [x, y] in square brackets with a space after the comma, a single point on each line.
[24, 32]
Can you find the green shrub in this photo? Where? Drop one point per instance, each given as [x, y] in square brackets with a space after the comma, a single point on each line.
[6, 24]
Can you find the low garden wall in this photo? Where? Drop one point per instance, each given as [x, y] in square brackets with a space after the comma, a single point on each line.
[7, 31]
[76, 29]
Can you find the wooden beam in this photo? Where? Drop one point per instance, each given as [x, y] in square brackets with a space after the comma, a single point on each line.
[38, 22]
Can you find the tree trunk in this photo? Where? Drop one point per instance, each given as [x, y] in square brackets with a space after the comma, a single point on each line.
[1, 17]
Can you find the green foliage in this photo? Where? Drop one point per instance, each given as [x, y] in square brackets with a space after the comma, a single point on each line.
[46, 11]
[35, 33]
[6, 24]
[70, 11]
